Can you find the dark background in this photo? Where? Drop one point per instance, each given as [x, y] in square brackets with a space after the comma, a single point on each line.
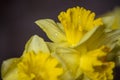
[17, 19]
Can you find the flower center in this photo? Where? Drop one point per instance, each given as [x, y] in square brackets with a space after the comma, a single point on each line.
[76, 22]
[40, 66]
[94, 65]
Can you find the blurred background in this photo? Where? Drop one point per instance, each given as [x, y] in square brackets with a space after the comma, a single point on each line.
[17, 19]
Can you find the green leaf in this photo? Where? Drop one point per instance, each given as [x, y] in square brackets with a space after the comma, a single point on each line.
[36, 44]
[52, 30]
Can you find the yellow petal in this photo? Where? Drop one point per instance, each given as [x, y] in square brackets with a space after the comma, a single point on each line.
[51, 29]
[112, 19]
[9, 69]
[38, 66]
[70, 61]
[95, 66]
[36, 44]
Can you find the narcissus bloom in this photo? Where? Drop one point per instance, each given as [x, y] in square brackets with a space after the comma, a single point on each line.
[75, 23]
[95, 66]
[36, 63]
[88, 65]
[77, 40]
[38, 66]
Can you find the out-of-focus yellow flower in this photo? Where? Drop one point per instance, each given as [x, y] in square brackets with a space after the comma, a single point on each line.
[38, 66]
[94, 65]
[36, 63]
[76, 22]
[112, 19]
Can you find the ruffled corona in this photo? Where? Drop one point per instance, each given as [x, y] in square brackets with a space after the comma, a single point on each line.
[76, 22]
[38, 67]
[94, 65]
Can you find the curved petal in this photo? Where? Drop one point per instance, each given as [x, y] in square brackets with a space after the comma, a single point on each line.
[112, 19]
[100, 38]
[69, 58]
[9, 69]
[89, 34]
[60, 26]
[53, 46]
[51, 29]
[36, 44]
[108, 21]
[91, 39]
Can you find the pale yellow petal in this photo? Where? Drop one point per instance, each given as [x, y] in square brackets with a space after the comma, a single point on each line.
[112, 19]
[36, 44]
[51, 29]
[9, 69]
[70, 61]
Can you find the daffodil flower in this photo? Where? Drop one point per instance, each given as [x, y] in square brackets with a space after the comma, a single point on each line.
[77, 40]
[95, 66]
[38, 66]
[88, 65]
[75, 23]
[34, 64]
[78, 27]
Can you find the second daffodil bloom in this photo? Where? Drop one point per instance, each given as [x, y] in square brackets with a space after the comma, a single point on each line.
[90, 65]
[34, 64]
[95, 66]
[38, 66]
[75, 23]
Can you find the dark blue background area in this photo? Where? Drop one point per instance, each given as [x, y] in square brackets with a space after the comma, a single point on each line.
[17, 19]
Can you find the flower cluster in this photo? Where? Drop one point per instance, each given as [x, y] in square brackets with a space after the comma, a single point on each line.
[82, 47]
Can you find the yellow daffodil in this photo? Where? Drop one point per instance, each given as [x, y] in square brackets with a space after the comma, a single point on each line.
[76, 41]
[75, 23]
[95, 66]
[88, 65]
[38, 66]
[34, 64]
